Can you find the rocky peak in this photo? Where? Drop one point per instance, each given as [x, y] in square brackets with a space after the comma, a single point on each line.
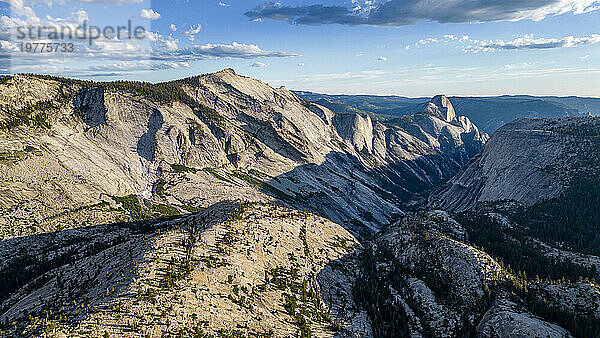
[441, 107]
[227, 71]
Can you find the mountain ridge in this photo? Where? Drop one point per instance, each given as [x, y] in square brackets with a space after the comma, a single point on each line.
[135, 140]
[488, 112]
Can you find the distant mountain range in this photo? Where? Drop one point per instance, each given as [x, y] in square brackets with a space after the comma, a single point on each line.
[488, 113]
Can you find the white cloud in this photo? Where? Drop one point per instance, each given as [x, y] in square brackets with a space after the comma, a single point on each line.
[149, 14]
[522, 65]
[171, 45]
[234, 50]
[115, 47]
[193, 31]
[529, 42]
[585, 57]
[80, 16]
[257, 20]
[259, 65]
[470, 45]
[382, 58]
[222, 4]
[138, 66]
[427, 41]
[18, 8]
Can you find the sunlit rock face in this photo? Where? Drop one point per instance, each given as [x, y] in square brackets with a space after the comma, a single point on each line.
[110, 140]
[441, 107]
[526, 161]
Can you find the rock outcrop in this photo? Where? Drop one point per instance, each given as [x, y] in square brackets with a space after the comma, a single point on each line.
[232, 269]
[507, 319]
[422, 277]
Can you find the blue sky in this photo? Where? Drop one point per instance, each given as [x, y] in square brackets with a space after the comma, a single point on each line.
[386, 47]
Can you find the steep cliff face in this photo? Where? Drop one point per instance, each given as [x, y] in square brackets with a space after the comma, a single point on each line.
[516, 164]
[441, 107]
[356, 129]
[190, 143]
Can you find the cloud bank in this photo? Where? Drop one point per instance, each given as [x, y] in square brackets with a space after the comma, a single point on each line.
[409, 12]
[526, 42]
[217, 51]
